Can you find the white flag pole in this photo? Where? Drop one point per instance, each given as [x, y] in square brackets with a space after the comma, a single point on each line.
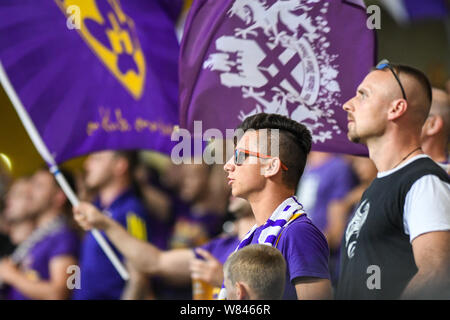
[48, 158]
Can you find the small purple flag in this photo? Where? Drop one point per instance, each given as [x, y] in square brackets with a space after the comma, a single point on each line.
[299, 58]
[94, 74]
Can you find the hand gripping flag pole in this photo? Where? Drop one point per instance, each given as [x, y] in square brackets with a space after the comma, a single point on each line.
[48, 158]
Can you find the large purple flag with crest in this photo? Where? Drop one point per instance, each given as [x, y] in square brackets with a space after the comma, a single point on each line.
[94, 74]
[299, 58]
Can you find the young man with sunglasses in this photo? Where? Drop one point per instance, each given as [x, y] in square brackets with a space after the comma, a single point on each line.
[268, 181]
[397, 244]
[267, 165]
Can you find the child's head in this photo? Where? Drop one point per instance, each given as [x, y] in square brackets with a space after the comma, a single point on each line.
[256, 272]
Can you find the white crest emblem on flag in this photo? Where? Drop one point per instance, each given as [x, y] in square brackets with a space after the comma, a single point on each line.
[298, 78]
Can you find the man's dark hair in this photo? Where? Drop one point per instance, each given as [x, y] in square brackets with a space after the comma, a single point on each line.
[69, 178]
[423, 82]
[295, 142]
[425, 85]
[418, 75]
[132, 157]
[71, 181]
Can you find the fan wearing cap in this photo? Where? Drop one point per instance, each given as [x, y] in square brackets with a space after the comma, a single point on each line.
[397, 244]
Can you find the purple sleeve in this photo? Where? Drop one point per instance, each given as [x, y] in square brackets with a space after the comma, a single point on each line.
[64, 243]
[221, 247]
[209, 246]
[306, 251]
[343, 180]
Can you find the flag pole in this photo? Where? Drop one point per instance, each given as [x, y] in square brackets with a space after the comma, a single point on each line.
[48, 158]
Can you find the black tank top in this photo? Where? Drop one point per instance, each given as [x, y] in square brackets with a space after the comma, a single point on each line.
[375, 241]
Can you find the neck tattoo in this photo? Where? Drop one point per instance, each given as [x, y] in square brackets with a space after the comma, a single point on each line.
[404, 158]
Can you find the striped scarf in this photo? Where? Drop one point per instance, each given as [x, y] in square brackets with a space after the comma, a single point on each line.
[36, 236]
[271, 230]
[22, 251]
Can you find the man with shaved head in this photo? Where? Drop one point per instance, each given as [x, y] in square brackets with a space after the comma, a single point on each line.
[397, 244]
[436, 130]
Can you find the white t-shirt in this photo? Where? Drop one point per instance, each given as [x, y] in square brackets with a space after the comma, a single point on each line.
[427, 203]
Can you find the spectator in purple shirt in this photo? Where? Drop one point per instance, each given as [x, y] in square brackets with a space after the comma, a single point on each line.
[327, 178]
[38, 267]
[111, 174]
[268, 181]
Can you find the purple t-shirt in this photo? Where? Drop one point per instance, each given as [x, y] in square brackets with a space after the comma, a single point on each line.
[322, 184]
[99, 279]
[36, 265]
[222, 247]
[305, 250]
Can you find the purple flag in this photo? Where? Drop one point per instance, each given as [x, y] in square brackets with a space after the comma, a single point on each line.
[405, 11]
[94, 74]
[299, 58]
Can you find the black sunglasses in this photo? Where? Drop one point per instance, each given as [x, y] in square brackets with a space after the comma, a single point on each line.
[385, 64]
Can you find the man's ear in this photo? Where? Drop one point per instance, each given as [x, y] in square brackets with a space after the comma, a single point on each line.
[272, 168]
[241, 291]
[433, 125]
[397, 109]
